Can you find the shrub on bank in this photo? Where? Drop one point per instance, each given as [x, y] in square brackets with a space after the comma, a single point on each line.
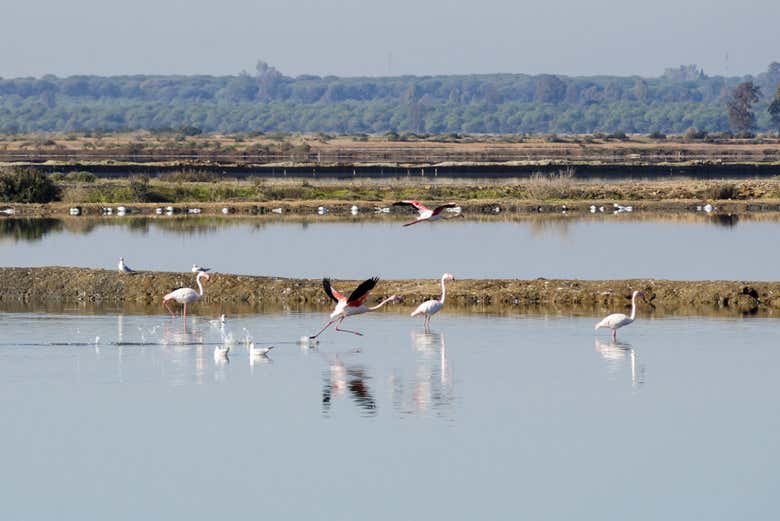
[27, 186]
[81, 177]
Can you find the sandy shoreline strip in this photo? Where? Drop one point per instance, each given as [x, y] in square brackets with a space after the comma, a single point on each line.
[47, 285]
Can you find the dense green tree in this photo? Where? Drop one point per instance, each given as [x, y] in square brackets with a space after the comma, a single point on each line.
[774, 108]
[740, 107]
[549, 89]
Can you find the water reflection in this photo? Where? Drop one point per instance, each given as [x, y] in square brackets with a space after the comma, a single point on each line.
[28, 229]
[727, 220]
[616, 354]
[431, 388]
[340, 379]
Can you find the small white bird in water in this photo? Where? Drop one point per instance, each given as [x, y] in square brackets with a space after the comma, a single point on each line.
[221, 353]
[196, 269]
[258, 351]
[617, 320]
[219, 322]
[431, 307]
[124, 268]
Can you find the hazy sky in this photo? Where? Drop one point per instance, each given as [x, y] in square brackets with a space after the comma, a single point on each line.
[371, 37]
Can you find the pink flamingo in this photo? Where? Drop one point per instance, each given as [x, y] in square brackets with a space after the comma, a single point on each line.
[185, 295]
[425, 213]
[617, 320]
[352, 305]
[431, 307]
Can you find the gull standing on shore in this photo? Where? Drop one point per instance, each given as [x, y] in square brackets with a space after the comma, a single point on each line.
[124, 268]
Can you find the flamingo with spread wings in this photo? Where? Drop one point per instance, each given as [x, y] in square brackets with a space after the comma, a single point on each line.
[425, 213]
[352, 305]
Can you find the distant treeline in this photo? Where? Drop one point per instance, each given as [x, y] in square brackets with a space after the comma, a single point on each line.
[267, 100]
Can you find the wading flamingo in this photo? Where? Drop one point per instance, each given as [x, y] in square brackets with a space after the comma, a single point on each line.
[425, 213]
[122, 267]
[185, 295]
[617, 320]
[352, 305]
[431, 307]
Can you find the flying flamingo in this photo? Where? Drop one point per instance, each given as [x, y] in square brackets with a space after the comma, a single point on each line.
[425, 213]
[431, 307]
[185, 295]
[352, 305]
[617, 320]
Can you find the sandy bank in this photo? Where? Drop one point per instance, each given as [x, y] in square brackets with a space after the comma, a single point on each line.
[77, 285]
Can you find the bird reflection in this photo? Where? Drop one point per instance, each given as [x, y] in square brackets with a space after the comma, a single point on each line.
[432, 384]
[172, 335]
[341, 378]
[615, 355]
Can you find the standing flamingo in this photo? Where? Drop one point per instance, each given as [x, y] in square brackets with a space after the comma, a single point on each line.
[617, 320]
[425, 213]
[185, 295]
[352, 305]
[431, 307]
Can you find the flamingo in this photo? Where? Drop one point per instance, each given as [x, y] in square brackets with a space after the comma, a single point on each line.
[352, 305]
[124, 268]
[196, 268]
[185, 295]
[431, 307]
[617, 320]
[425, 213]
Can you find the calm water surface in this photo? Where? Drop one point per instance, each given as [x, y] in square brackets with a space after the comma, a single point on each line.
[606, 247]
[495, 418]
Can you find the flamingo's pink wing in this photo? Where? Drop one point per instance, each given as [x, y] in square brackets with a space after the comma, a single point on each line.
[417, 204]
[440, 209]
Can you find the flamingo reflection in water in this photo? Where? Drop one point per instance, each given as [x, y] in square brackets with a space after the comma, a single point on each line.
[341, 378]
[432, 385]
[616, 354]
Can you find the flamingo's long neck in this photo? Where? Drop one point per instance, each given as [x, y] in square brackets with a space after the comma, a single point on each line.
[633, 306]
[443, 291]
[385, 301]
[200, 286]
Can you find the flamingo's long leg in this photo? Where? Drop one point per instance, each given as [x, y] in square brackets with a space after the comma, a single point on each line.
[415, 222]
[165, 303]
[323, 329]
[184, 315]
[346, 330]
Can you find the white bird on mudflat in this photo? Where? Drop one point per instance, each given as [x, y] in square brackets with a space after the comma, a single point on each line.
[122, 267]
[617, 320]
[185, 295]
[352, 305]
[431, 307]
[196, 268]
[426, 214]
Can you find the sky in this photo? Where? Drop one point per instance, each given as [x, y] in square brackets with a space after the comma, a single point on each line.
[377, 38]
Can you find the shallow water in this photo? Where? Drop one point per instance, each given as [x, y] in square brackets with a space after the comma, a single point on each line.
[601, 247]
[486, 417]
